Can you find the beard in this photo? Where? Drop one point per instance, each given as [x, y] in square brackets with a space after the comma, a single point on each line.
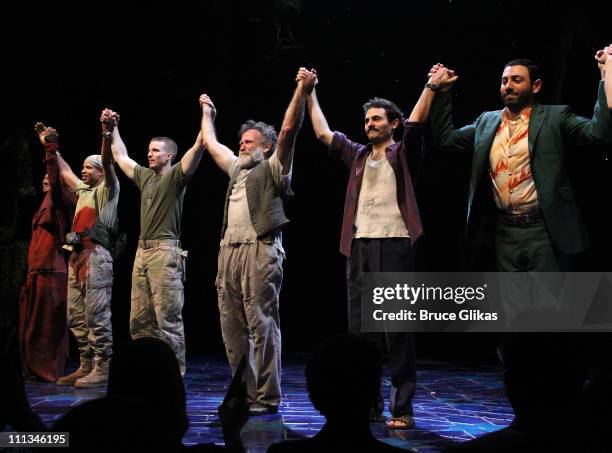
[380, 135]
[517, 103]
[246, 161]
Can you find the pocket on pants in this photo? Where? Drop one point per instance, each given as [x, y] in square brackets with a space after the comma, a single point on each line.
[269, 264]
[220, 270]
[173, 268]
[270, 254]
[100, 271]
[183, 256]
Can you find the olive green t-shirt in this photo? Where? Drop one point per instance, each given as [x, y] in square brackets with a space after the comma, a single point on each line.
[161, 202]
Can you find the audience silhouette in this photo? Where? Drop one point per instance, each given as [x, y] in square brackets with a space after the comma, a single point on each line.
[343, 378]
[145, 407]
[544, 377]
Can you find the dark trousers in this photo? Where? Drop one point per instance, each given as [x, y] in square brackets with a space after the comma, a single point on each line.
[527, 248]
[385, 255]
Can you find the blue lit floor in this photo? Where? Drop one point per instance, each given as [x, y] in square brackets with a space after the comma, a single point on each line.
[452, 404]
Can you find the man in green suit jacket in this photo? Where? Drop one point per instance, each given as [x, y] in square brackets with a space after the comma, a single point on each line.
[520, 195]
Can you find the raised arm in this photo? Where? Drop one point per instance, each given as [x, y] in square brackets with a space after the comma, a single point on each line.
[66, 173]
[598, 128]
[221, 154]
[604, 61]
[191, 159]
[444, 133]
[294, 116]
[120, 154]
[108, 121]
[48, 136]
[440, 79]
[319, 123]
[608, 76]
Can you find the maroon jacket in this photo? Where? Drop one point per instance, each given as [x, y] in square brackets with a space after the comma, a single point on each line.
[402, 157]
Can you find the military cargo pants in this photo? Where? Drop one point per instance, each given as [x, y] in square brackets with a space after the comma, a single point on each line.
[90, 287]
[157, 294]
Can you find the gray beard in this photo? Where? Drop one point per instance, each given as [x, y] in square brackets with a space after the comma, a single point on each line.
[251, 160]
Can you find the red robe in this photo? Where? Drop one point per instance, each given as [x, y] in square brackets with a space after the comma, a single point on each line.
[43, 332]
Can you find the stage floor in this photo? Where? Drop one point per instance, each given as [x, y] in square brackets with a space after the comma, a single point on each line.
[452, 404]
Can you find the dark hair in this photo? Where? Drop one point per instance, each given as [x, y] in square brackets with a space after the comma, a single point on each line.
[268, 134]
[393, 112]
[534, 69]
[169, 144]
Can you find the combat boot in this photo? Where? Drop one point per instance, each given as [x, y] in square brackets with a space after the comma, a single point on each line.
[83, 370]
[98, 376]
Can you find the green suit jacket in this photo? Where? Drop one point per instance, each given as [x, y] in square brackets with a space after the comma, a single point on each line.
[553, 129]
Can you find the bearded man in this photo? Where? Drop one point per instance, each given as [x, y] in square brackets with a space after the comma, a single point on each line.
[251, 254]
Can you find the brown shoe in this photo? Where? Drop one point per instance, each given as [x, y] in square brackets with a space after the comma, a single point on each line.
[71, 378]
[97, 378]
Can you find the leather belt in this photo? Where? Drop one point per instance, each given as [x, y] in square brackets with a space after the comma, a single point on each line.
[524, 219]
[152, 243]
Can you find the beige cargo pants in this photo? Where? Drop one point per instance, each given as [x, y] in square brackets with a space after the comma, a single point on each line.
[157, 294]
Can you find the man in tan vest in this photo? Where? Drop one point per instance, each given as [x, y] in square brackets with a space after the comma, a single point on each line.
[251, 255]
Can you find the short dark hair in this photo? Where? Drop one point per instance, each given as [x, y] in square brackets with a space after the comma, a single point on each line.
[532, 67]
[268, 134]
[169, 143]
[392, 110]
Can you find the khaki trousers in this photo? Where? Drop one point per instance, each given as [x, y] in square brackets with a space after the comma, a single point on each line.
[248, 283]
[157, 295]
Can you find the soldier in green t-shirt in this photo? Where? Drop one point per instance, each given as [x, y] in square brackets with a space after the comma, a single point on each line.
[159, 267]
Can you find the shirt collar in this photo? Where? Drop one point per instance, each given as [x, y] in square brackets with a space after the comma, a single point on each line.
[524, 118]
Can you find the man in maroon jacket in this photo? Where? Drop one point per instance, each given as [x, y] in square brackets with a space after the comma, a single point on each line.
[381, 223]
[43, 333]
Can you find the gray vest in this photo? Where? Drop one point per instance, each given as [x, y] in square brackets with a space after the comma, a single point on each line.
[264, 198]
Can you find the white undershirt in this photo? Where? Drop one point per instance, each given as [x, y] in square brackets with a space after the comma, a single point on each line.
[378, 214]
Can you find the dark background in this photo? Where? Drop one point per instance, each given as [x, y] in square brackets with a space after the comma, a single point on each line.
[63, 65]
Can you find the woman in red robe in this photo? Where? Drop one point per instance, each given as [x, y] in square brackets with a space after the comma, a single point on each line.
[43, 332]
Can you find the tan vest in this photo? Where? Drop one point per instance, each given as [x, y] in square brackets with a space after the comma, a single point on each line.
[265, 200]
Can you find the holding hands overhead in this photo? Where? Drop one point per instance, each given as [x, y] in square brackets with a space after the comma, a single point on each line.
[308, 79]
[109, 120]
[441, 79]
[442, 76]
[604, 63]
[601, 56]
[207, 106]
[46, 134]
[221, 154]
